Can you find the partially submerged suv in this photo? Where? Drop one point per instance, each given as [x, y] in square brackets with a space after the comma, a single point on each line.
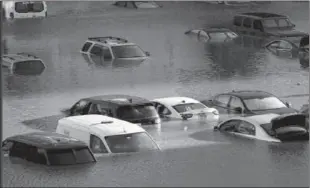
[113, 48]
[137, 4]
[23, 64]
[48, 149]
[125, 107]
[262, 24]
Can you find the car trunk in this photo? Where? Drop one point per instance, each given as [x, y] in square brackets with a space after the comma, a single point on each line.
[290, 127]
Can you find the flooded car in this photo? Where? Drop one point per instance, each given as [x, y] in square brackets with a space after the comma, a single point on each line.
[263, 24]
[23, 64]
[184, 108]
[137, 4]
[125, 107]
[213, 34]
[305, 110]
[248, 102]
[288, 47]
[23, 9]
[267, 127]
[48, 149]
[107, 135]
[113, 48]
[304, 51]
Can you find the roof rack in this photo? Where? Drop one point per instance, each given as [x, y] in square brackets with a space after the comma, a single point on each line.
[28, 55]
[105, 39]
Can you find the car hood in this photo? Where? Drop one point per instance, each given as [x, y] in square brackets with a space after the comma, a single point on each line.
[285, 32]
[279, 111]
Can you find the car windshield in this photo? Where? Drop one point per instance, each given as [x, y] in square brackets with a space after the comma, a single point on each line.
[127, 51]
[264, 103]
[181, 108]
[25, 7]
[128, 143]
[279, 23]
[68, 157]
[29, 67]
[136, 112]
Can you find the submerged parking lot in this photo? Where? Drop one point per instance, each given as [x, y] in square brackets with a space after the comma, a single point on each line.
[179, 66]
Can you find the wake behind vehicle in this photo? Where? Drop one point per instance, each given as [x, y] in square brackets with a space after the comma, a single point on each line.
[263, 24]
[48, 149]
[24, 9]
[184, 108]
[113, 48]
[213, 34]
[125, 107]
[267, 127]
[107, 135]
[248, 102]
[23, 64]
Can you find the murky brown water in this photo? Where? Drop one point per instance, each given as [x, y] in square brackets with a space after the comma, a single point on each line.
[178, 66]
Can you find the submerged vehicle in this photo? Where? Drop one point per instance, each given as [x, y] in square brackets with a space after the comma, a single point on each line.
[267, 127]
[107, 135]
[24, 9]
[48, 149]
[137, 4]
[304, 51]
[125, 107]
[213, 34]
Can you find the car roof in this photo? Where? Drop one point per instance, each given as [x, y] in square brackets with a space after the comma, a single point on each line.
[248, 94]
[172, 101]
[110, 40]
[48, 140]
[262, 15]
[106, 125]
[19, 57]
[119, 99]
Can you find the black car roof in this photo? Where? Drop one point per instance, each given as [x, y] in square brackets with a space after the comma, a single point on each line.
[48, 140]
[249, 94]
[263, 15]
[132, 100]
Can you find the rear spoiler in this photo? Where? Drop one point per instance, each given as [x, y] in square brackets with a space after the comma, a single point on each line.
[289, 120]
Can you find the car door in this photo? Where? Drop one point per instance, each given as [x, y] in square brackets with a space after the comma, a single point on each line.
[164, 112]
[235, 102]
[285, 49]
[80, 108]
[245, 129]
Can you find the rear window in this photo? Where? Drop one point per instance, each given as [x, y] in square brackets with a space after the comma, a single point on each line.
[188, 106]
[136, 112]
[29, 67]
[127, 51]
[69, 156]
[26, 7]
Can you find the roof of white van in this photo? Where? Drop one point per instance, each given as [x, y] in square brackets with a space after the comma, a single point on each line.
[107, 126]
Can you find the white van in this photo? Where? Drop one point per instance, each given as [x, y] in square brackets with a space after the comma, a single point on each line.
[107, 135]
[24, 9]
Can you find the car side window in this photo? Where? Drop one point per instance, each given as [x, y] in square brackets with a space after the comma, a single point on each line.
[203, 34]
[237, 21]
[96, 145]
[162, 109]
[130, 4]
[230, 126]
[236, 102]
[257, 24]
[106, 53]
[7, 145]
[86, 46]
[121, 3]
[222, 100]
[285, 45]
[274, 44]
[247, 22]
[80, 107]
[33, 155]
[97, 50]
[246, 128]
[18, 150]
[94, 109]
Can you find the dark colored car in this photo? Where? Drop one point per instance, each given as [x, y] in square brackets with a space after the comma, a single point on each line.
[249, 103]
[263, 24]
[125, 107]
[48, 149]
[305, 110]
[304, 51]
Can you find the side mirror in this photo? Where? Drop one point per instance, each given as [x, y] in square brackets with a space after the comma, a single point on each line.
[238, 110]
[147, 53]
[288, 104]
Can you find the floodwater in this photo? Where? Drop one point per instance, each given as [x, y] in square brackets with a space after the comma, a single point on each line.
[192, 154]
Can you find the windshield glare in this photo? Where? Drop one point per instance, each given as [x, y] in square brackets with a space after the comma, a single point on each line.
[137, 112]
[67, 156]
[181, 108]
[127, 51]
[128, 143]
[264, 103]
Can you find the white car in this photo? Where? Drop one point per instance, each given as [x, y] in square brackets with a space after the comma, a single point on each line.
[24, 9]
[267, 127]
[107, 135]
[183, 108]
